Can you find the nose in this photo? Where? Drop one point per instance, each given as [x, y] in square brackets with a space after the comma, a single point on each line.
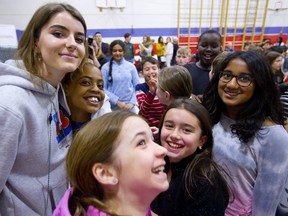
[209, 48]
[70, 42]
[95, 87]
[160, 150]
[175, 134]
[233, 82]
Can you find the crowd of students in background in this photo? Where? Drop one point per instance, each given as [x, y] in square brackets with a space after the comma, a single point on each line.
[84, 136]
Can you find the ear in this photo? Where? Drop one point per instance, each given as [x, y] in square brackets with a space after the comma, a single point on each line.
[105, 174]
[36, 48]
[203, 140]
[167, 95]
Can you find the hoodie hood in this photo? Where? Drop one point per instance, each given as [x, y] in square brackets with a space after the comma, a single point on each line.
[13, 73]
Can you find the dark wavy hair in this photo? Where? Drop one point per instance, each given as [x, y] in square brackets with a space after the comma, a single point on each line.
[201, 167]
[264, 103]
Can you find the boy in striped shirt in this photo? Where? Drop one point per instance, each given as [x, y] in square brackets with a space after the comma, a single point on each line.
[149, 106]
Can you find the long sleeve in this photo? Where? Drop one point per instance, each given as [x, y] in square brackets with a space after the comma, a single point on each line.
[258, 169]
[272, 171]
[169, 49]
[11, 125]
[124, 80]
[149, 105]
[105, 71]
[206, 200]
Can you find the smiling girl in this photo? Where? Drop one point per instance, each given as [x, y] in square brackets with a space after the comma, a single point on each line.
[84, 91]
[196, 185]
[120, 79]
[114, 170]
[33, 143]
[250, 140]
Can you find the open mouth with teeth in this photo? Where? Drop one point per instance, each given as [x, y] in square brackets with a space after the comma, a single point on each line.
[159, 170]
[94, 100]
[175, 145]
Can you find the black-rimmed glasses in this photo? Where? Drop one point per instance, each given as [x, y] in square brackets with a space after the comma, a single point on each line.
[243, 80]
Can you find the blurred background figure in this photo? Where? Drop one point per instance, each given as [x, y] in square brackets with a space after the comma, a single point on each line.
[183, 56]
[129, 52]
[169, 51]
[95, 53]
[275, 59]
[161, 48]
[279, 42]
[104, 46]
[175, 48]
[246, 46]
[229, 47]
[146, 47]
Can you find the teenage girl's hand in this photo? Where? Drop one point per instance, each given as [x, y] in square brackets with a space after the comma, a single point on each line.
[120, 104]
[128, 106]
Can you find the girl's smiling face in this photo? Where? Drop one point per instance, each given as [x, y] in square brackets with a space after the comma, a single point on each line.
[60, 46]
[140, 160]
[231, 93]
[117, 53]
[181, 134]
[85, 93]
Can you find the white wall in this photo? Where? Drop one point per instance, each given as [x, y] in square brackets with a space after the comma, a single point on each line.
[137, 14]
[158, 17]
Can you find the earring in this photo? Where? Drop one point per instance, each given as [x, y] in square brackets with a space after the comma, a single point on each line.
[115, 180]
[200, 147]
[38, 57]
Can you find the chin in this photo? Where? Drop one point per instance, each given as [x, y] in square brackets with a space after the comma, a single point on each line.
[71, 67]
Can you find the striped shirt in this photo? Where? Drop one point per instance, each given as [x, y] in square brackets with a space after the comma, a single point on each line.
[149, 105]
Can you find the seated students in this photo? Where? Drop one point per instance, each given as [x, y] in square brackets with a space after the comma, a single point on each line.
[115, 168]
[149, 105]
[84, 91]
[183, 56]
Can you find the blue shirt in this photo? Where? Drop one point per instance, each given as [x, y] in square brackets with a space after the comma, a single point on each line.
[124, 80]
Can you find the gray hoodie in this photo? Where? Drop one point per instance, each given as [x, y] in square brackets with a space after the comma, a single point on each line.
[32, 168]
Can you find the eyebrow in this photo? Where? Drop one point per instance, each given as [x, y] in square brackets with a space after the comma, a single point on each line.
[66, 29]
[143, 133]
[182, 124]
[88, 77]
[245, 73]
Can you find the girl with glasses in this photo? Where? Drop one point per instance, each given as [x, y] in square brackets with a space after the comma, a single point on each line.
[250, 142]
